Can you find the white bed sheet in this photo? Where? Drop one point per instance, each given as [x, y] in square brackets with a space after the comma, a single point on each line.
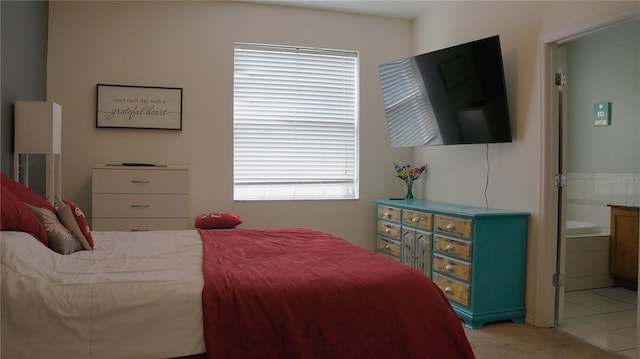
[137, 295]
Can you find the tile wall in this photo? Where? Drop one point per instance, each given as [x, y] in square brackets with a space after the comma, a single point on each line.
[589, 193]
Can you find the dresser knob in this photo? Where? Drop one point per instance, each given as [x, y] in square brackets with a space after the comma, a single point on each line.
[448, 290]
[449, 267]
[387, 230]
[448, 247]
[450, 227]
[387, 214]
[415, 219]
[387, 246]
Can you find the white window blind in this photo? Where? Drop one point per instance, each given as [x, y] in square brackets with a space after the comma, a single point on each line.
[294, 123]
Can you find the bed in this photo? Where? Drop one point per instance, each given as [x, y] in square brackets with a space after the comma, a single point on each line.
[136, 295]
[236, 293]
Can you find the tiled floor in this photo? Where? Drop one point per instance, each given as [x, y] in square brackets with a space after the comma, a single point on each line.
[602, 321]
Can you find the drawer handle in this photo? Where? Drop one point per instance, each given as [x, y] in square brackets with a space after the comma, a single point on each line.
[448, 290]
[450, 227]
[387, 214]
[449, 247]
[449, 267]
[415, 219]
[140, 206]
[138, 181]
[387, 230]
[387, 246]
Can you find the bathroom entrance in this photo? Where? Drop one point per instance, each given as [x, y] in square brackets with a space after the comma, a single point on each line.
[599, 154]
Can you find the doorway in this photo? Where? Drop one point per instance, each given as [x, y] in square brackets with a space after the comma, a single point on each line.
[595, 308]
[571, 203]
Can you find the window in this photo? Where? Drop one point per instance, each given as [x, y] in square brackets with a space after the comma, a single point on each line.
[294, 123]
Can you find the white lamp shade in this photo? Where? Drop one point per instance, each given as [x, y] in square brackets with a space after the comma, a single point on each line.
[38, 127]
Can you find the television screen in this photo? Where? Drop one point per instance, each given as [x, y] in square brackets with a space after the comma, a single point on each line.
[451, 96]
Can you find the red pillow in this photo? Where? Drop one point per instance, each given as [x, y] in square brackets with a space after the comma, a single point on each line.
[17, 217]
[24, 193]
[215, 220]
[74, 220]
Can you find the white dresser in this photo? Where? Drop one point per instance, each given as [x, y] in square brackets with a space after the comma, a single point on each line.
[138, 198]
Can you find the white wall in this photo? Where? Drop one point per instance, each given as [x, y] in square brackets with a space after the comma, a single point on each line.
[457, 173]
[604, 67]
[190, 45]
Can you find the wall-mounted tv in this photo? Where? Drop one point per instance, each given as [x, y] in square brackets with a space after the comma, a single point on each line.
[451, 96]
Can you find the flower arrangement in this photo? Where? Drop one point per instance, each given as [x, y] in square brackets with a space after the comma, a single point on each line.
[409, 174]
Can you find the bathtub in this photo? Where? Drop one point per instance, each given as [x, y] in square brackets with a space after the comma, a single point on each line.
[587, 256]
[578, 227]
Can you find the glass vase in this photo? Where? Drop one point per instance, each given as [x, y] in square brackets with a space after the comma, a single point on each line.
[408, 190]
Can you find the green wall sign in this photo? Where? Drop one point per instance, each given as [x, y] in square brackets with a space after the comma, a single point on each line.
[601, 114]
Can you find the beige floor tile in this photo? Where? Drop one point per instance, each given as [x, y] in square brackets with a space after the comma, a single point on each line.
[577, 327]
[627, 332]
[630, 315]
[580, 296]
[608, 306]
[607, 321]
[610, 341]
[572, 310]
[602, 321]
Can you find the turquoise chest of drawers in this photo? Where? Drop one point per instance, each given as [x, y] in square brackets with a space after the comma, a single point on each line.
[477, 256]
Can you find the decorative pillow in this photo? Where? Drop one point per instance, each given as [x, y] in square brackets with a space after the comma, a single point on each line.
[215, 220]
[24, 193]
[17, 217]
[60, 239]
[74, 220]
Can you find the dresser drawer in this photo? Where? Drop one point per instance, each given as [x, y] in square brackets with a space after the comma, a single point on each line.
[453, 290]
[388, 246]
[417, 219]
[139, 205]
[456, 226]
[452, 247]
[105, 180]
[456, 269]
[389, 213]
[138, 224]
[389, 229]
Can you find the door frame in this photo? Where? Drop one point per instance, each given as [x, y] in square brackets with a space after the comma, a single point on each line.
[549, 136]
[561, 119]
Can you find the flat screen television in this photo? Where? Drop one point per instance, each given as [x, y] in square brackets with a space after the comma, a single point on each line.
[451, 96]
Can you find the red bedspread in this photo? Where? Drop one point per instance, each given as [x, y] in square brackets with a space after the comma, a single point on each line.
[299, 293]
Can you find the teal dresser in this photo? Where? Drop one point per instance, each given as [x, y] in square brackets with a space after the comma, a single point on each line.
[477, 256]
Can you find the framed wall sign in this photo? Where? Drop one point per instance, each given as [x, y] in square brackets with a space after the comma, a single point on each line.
[602, 114]
[121, 106]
